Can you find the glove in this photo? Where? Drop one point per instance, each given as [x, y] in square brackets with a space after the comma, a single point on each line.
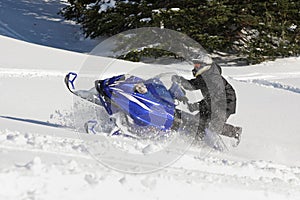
[193, 106]
[201, 106]
[176, 78]
[183, 99]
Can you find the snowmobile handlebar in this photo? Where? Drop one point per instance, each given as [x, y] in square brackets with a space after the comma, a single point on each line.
[69, 80]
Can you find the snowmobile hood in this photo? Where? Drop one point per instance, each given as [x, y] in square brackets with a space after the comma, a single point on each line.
[153, 107]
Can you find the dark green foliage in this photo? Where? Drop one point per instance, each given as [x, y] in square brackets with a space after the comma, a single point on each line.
[137, 55]
[256, 29]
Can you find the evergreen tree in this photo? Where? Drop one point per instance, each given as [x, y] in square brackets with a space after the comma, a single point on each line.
[256, 29]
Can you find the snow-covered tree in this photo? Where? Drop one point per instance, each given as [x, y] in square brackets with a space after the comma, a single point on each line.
[255, 29]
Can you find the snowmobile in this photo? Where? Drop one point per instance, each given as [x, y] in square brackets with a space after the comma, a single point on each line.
[145, 103]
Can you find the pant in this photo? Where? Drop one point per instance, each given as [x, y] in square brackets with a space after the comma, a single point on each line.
[199, 122]
[204, 119]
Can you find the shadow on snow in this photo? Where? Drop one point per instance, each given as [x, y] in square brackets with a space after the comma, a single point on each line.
[32, 121]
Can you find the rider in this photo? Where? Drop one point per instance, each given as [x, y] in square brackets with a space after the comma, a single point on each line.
[205, 70]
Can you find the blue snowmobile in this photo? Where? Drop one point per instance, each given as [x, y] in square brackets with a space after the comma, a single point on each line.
[146, 104]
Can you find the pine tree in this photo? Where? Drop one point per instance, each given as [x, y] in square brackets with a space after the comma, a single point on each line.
[256, 29]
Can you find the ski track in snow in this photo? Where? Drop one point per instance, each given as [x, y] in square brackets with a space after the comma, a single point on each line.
[4, 28]
[277, 85]
[29, 73]
[269, 80]
[259, 79]
[38, 22]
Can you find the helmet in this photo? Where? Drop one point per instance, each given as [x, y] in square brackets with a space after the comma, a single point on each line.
[203, 60]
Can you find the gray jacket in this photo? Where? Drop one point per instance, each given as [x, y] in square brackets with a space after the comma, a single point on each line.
[213, 86]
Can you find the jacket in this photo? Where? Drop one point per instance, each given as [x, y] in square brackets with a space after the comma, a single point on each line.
[213, 86]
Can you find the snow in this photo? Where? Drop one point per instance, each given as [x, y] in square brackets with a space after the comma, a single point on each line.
[42, 157]
[148, 19]
[292, 27]
[38, 22]
[106, 4]
[175, 9]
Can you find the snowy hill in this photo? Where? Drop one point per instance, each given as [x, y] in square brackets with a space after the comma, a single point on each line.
[37, 21]
[41, 157]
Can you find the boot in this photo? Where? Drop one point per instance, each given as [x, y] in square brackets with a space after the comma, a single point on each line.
[237, 136]
[232, 131]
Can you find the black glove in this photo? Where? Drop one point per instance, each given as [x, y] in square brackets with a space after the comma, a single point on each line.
[201, 106]
[183, 99]
[193, 106]
[176, 78]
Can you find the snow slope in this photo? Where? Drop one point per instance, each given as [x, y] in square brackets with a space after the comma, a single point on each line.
[41, 157]
[37, 21]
